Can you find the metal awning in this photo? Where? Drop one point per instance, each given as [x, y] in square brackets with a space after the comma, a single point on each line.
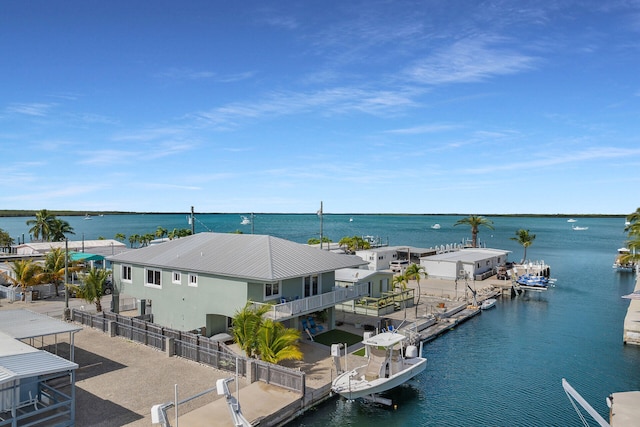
[83, 256]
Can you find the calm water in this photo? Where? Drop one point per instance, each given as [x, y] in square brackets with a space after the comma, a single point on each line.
[502, 368]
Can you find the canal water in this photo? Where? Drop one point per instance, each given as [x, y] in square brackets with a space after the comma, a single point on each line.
[502, 368]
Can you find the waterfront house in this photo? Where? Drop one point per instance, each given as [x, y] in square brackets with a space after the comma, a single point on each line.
[472, 263]
[199, 282]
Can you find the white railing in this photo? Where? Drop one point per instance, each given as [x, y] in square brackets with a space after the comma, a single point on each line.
[313, 303]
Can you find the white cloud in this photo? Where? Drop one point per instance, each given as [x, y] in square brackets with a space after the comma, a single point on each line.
[33, 109]
[469, 60]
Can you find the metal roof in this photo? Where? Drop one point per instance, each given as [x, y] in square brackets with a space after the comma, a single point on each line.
[354, 275]
[244, 256]
[467, 255]
[21, 324]
[29, 362]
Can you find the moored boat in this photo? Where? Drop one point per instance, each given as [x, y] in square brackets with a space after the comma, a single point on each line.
[620, 264]
[534, 281]
[390, 363]
[488, 303]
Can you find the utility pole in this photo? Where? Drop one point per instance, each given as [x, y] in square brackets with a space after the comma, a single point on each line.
[321, 231]
[193, 223]
[67, 313]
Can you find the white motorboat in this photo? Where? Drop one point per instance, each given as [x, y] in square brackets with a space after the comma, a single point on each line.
[572, 220]
[436, 226]
[245, 220]
[390, 364]
[488, 303]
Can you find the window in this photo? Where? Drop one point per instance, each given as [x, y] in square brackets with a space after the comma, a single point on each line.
[271, 290]
[176, 278]
[193, 279]
[153, 278]
[126, 273]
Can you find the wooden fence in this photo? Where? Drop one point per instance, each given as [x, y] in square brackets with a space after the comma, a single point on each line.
[191, 346]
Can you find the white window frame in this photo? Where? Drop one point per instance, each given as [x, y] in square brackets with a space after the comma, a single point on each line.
[193, 280]
[147, 271]
[126, 268]
[176, 278]
[268, 290]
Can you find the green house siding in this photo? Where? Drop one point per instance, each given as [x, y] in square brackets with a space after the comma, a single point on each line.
[184, 307]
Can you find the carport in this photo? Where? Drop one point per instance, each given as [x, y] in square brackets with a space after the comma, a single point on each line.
[31, 380]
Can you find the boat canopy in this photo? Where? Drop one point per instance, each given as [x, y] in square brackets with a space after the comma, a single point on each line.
[385, 339]
[83, 256]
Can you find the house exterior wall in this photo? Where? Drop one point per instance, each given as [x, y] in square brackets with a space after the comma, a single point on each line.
[187, 307]
[450, 268]
[378, 258]
[183, 306]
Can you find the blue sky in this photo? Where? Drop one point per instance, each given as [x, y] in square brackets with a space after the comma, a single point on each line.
[369, 106]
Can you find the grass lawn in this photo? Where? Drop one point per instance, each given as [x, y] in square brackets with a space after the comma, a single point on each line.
[337, 336]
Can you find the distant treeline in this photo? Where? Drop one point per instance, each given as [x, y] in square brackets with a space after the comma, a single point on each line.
[19, 213]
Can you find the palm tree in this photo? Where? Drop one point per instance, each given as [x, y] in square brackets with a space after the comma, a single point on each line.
[5, 239]
[120, 237]
[161, 232]
[59, 228]
[525, 239]
[475, 221]
[276, 343]
[415, 272]
[399, 281]
[93, 283]
[26, 273]
[41, 226]
[53, 271]
[246, 324]
[133, 239]
[353, 244]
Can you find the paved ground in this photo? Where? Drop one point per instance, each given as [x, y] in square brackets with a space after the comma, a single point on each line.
[119, 381]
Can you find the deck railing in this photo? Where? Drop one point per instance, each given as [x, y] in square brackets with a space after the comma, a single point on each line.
[289, 309]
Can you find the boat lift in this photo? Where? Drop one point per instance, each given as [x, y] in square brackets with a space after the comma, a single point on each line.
[159, 412]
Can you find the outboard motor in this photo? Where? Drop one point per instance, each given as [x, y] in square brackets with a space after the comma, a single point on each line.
[411, 352]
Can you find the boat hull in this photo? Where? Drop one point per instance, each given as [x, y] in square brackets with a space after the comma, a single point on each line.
[351, 385]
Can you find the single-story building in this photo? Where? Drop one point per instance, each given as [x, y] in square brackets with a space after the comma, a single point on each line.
[199, 282]
[104, 247]
[377, 282]
[472, 263]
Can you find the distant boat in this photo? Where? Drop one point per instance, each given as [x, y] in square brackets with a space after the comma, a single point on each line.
[572, 220]
[245, 220]
[575, 227]
[436, 226]
[87, 216]
[350, 219]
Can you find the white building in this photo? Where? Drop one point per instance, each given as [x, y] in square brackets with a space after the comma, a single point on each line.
[476, 263]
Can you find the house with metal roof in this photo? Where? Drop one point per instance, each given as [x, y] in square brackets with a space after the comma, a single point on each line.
[472, 263]
[199, 282]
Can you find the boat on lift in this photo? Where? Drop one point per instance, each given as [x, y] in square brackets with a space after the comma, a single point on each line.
[390, 363]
